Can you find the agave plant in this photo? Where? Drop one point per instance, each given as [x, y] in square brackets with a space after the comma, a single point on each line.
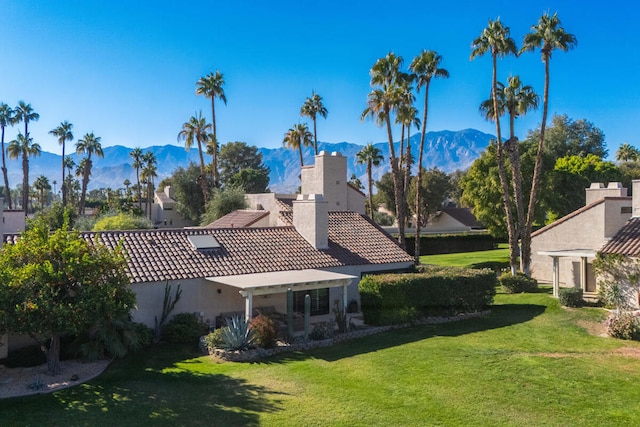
[237, 335]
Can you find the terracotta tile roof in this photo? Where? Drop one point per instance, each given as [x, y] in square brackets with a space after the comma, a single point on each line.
[626, 241]
[166, 254]
[576, 213]
[463, 216]
[239, 218]
[284, 204]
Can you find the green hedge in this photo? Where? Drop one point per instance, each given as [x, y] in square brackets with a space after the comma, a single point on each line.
[570, 297]
[433, 291]
[434, 244]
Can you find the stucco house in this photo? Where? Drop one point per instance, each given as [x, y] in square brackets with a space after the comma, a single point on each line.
[317, 250]
[563, 251]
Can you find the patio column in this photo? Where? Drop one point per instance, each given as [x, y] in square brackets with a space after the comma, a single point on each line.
[344, 297]
[248, 305]
[556, 276]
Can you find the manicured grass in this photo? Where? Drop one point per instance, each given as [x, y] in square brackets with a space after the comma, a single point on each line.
[529, 362]
[467, 259]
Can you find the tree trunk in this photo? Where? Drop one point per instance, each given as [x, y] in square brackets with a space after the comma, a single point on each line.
[53, 356]
[315, 136]
[397, 184]
[139, 189]
[7, 191]
[203, 175]
[369, 165]
[407, 173]
[537, 171]
[64, 191]
[419, 177]
[214, 165]
[25, 182]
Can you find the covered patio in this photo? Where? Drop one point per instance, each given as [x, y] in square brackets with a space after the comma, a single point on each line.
[583, 254]
[257, 284]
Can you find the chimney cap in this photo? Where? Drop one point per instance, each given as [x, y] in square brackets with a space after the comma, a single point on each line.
[597, 185]
[614, 184]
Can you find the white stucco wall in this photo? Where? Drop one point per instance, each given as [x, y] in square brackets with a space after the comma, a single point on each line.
[445, 223]
[355, 201]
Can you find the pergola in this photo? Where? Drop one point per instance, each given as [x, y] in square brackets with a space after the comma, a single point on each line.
[276, 282]
[583, 254]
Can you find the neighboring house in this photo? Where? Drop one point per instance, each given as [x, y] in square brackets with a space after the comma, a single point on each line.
[452, 220]
[13, 221]
[563, 251]
[163, 211]
[315, 251]
[242, 218]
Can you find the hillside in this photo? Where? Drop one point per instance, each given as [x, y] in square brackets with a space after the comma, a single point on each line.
[447, 150]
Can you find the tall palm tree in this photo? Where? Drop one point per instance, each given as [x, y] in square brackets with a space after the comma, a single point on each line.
[24, 113]
[149, 172]
[89, 145]
[6, 119]
[297, 138]
[136, 155]
[425, 66]
[406, 116]
[496, 40]
[547, 35]
[627, 152]
[382, 101]
[24, 147]
[515, 100]
[370, 156]
[196, 129]
[63, 133]
[312, 108]
[211, 87]
[41, 184]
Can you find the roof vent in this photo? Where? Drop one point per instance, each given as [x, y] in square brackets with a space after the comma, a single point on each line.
[203, 242]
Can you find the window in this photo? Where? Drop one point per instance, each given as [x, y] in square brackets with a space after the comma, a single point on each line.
[319, 301]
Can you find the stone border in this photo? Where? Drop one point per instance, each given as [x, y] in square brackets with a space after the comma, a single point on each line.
[301, 345]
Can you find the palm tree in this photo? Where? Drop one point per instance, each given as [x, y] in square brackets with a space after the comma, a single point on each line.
[196, 129]
[211, 87]
[370, 156]
[496, 39]
[381, 102]
[516, 100]
[63, 133]
[426, 66]
[24, 147]
[89, 145]
[6, 119]
[149, 172]
[24, 113]
[626, 152]
[41, 184]
[298, 137]
[136, 155]
[313, 108]
[547, 35]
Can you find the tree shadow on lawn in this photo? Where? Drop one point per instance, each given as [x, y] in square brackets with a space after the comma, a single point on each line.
[501, 316]
[158, 394]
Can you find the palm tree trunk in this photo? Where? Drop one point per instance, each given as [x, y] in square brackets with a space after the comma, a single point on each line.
[537, 170]
[214, 165]
[397, 184]
[300, 150]
[513, 243]
[203, 176]
[407, 173]
[513, 152]
[416, 255]
[139, 189]
[25, 182]
[64, 192]
[315, 137]
[369, 165]
[7, 192]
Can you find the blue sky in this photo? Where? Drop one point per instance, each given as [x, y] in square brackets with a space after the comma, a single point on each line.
[126, 70]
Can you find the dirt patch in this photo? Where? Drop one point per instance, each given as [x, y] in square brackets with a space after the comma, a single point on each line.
[25, 381]
[633, 352]
[598, 329]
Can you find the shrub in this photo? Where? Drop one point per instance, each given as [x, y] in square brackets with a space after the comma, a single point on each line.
[122, 221]
[144, 334]
[624, 326]
[321, 331]
[184, 328]
[570, 297]
[25, 357]
[237, 335]
[433, 291]
[265, 330]
[213, 340]
[518, 283]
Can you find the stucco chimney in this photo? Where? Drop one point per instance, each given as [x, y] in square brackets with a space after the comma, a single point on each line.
[635, 200]
[311, 219]
[328, 176]
[598, 191]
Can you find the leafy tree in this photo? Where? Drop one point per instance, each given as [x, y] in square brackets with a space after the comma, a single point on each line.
[6, 119]
[251, 180]
[312, 108]
[435, 188]
[385, 194]
[547, 35]
[355, 182]
[56, 283]
[89, 145]
[53, 216]
[196, 130]
[187, 192]
[234, 158]
[496, 40]
[370, 156]
[63, 133]
[627, 152]
[24, 147]
[224, 201]
[568, 137]
[122, 221]
[426, 67]
[211, 87]
[298, 137]
[41, 184]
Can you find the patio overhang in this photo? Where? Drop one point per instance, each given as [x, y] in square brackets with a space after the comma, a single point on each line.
[583, 254]
[250, 285]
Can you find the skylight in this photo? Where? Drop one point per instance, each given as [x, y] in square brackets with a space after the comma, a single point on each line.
[203, 242]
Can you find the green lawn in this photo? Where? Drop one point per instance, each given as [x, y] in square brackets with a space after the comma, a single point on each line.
[529, 362]
[467, 259]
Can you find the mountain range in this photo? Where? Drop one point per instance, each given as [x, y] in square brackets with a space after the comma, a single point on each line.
[447, 150]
